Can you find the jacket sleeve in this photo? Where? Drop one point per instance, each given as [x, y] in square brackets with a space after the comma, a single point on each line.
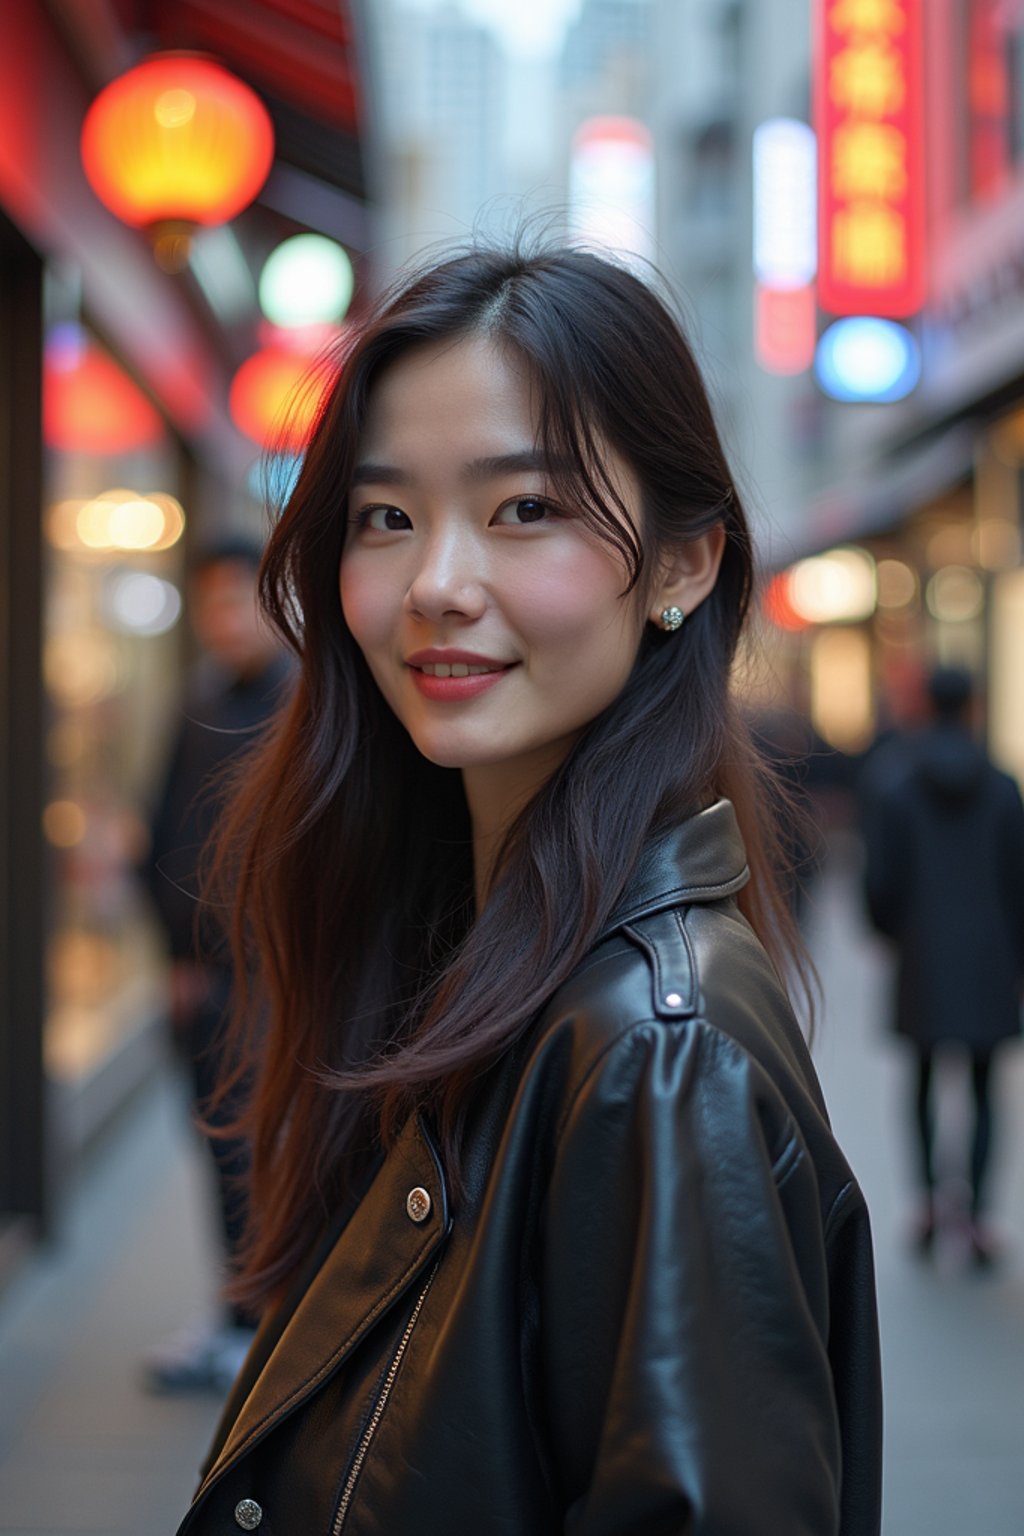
[887, 861]
[1010, 855]
[684, 1301]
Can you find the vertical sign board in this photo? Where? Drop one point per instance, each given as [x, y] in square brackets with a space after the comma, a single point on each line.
[868, 103]
[785, 245]
[611, 188]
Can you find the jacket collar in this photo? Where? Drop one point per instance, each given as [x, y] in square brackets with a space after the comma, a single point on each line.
[701, 859]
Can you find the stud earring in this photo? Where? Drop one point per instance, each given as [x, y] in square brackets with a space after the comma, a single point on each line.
[672, 618]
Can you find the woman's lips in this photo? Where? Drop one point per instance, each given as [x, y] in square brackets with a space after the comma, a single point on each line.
[451, 682]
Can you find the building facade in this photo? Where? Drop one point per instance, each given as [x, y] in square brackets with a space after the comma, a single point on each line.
[115, 378]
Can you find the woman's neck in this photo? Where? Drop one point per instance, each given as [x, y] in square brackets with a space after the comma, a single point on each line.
[495, 794]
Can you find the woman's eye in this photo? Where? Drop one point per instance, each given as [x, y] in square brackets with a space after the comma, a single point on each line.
[523, 510]
[383, 519]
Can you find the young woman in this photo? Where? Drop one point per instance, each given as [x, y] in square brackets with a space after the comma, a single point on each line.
[550, 1229]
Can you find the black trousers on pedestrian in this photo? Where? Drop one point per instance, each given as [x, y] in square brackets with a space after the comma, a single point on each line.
[201, 1047]
[980, 1065]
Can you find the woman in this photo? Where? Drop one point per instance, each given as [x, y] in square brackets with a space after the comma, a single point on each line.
[552, 1232]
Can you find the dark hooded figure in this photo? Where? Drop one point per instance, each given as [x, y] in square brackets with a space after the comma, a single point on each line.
[944, 838]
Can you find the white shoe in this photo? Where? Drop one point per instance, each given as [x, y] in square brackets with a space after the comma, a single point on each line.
[198, 1359]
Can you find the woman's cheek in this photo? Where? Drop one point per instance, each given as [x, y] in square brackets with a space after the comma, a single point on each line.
[569, 600]
[362, 604]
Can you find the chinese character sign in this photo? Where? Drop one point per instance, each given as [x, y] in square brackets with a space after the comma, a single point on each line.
[870, 125]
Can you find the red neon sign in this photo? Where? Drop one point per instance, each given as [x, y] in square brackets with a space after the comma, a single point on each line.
[785, 331]
[868, 107]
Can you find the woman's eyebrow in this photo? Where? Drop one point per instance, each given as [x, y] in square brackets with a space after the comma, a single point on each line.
[520, 462]
[380, 474]
[492, 467]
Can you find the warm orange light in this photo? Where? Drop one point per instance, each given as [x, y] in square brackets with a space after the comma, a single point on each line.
[90, 405]
[177, 139]
[275, 397]
[778, 608]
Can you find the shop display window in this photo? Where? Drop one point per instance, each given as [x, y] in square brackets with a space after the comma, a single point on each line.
[112, 526]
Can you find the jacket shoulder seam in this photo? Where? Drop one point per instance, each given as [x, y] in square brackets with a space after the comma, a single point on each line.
[609, 1045]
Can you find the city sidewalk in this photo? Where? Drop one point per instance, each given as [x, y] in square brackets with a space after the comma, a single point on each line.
[84, 1450]
[952, 1337]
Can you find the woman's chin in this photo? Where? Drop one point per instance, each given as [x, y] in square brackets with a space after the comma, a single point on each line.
[446, 752]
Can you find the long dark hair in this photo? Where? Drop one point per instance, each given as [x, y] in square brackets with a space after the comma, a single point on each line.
[348, 854]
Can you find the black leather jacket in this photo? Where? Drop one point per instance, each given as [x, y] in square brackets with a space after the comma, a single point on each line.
[651, 1311]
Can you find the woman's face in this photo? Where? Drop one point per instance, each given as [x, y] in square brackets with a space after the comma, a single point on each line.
[492, 620]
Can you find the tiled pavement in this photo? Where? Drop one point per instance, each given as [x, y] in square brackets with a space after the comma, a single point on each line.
[83, 1450]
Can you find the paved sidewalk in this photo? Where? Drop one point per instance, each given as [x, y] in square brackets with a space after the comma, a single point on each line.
[82, 1448]
[84, 1452]
[952, 1338]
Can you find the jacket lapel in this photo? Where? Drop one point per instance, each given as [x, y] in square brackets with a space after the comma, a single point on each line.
[375, 1259]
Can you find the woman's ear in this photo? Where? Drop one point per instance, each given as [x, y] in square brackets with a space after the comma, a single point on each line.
[688, 575]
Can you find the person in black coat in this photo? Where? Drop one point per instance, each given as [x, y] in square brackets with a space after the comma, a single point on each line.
[944, 874]
[238, 685]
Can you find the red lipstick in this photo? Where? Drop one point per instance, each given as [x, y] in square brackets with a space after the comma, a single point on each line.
[476, 673]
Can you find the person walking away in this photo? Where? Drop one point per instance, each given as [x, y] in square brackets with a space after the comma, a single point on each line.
[238, 683]
[944, 877]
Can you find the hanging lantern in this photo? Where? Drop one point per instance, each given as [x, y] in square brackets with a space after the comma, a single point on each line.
[308, 280]
[90, 405]
[174, 143]
[275, 397]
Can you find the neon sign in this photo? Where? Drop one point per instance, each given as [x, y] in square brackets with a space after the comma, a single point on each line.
[869, 120]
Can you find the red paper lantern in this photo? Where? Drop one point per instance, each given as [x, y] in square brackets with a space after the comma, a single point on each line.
[90, 405]
[176, 142]
[275, 397]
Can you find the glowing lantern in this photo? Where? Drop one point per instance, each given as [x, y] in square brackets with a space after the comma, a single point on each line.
[275, 397]
[90, 405]
[176, 142]
[307, 280]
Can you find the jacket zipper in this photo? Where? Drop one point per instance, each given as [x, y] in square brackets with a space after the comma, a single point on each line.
[378, 1411]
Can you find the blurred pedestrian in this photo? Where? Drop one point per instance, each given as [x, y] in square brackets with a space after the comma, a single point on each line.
[814, 790]
[552, 1227]
[238, 683]
[944, 873]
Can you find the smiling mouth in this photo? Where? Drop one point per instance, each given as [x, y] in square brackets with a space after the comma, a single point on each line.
[455, 669]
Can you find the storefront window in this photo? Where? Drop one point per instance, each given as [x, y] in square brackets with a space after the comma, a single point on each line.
[112, 523]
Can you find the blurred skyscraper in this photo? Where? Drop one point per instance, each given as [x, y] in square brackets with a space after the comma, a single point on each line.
[607, 58]
[473, 138]
[722, 67]
[441, 81]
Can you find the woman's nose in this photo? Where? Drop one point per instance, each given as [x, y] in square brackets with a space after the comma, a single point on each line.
[449, 577]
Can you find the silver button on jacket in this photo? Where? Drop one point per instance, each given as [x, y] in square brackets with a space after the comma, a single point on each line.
[418, 1204]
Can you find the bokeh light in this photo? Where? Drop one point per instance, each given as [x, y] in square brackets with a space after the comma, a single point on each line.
[307, 280]
[141, 603]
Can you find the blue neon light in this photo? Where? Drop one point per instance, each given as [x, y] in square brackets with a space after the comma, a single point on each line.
[863, 358]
